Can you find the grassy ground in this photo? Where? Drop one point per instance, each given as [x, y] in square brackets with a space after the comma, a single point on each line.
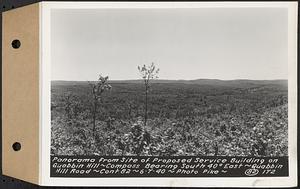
[203, 117]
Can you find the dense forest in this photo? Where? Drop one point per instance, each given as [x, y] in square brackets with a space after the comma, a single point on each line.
[198, 117]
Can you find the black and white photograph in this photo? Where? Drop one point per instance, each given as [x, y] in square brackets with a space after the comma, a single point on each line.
[169, 94]
[169, 82]
[151, 94]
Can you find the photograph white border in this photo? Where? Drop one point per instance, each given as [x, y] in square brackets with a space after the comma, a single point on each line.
[45, 97]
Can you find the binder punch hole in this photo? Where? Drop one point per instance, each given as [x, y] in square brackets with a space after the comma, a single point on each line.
[16, 44]
[16, 146]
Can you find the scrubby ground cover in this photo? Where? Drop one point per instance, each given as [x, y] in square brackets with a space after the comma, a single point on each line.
[232, 119]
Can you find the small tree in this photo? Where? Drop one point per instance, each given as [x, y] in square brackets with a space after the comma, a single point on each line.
[98, 88]
[148, 73]
[68, 104]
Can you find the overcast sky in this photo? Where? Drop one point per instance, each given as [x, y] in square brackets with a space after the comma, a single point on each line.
[214, 43]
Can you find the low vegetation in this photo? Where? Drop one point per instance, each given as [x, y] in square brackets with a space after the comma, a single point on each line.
[201, 117]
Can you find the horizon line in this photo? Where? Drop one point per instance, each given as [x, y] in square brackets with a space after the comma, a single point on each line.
[177, 79]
